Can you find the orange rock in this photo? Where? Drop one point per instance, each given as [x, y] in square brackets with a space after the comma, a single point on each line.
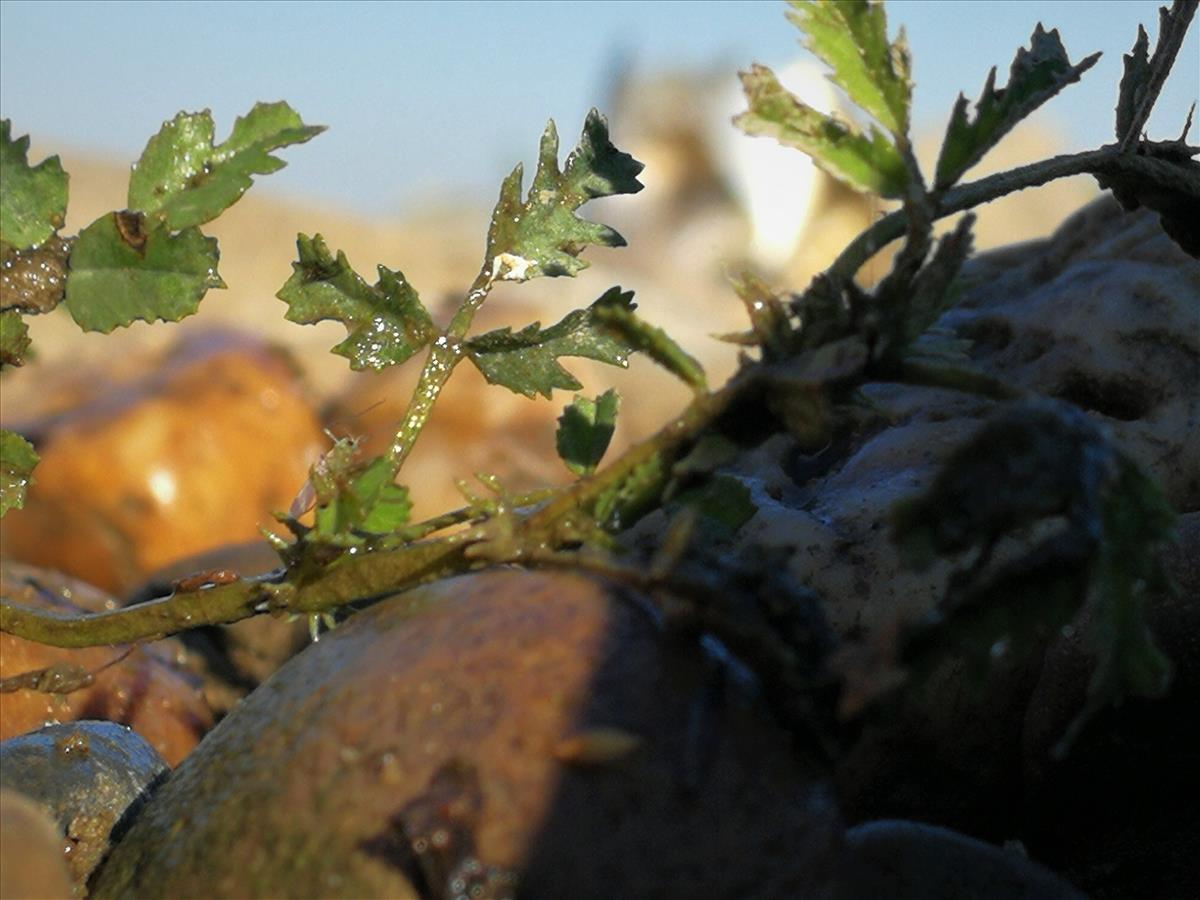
[192, 456]
[145, 690]
[31, 851]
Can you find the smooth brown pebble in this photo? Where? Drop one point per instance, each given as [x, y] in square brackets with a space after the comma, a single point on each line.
[31, 851]
[191, 456]
[429, 726]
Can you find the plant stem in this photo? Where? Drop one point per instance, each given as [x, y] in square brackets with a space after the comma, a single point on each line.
[359, 576]
[445, 353]
[1105, 161]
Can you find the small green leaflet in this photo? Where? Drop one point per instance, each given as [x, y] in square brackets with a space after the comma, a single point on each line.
[14, 338]
[17, 459]
[355, 498]
[870, 165]
[387, 323]
[525, 361]
[1143, 78]
[124, 267]
[184, 180]
[1037, 74]
[542, 235]
[585, 429]
[33, 203]
[851, 37]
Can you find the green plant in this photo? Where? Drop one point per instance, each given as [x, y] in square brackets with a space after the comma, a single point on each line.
[814, 350]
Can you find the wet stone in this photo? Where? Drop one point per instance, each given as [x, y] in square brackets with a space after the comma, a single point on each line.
[88, 776]
[488, 729]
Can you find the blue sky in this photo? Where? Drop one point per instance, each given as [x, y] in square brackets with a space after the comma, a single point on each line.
[430, 97]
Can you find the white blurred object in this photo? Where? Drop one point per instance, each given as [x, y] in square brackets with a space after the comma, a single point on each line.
[776, 186]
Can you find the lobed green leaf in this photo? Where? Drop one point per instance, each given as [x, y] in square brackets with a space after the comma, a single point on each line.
[868, 164]
[851, 37]
[183, 179]
[585, 429]
[17, 460]
[525, 361]
[14, 338]
[386, 322]
[33, 203]
[125, 267]
[1037, 74]
[542, 235]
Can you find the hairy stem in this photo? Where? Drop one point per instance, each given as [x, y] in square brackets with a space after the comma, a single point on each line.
[1105, 161]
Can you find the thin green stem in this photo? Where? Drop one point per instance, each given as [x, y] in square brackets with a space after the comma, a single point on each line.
[445, 353]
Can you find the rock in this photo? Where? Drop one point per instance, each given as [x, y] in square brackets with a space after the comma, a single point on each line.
[1103, 315]
[188, 457]
[31, 851]
[911, 861]
[483, 728]
[144, 687]
[88, 776]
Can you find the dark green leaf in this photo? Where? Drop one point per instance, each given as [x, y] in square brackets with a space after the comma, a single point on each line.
[33, 203]
[1143, 79]
[542, 235]
[14, 338]
[17, 459]
[1137, 522]
[525, 361]
[851, 37]
[124, 267]
[871, 165]
[184, 180]
[723, 503]
[387, 323]
[585, 429]
[1133, 83]
[931, 291]
[1037, 74]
